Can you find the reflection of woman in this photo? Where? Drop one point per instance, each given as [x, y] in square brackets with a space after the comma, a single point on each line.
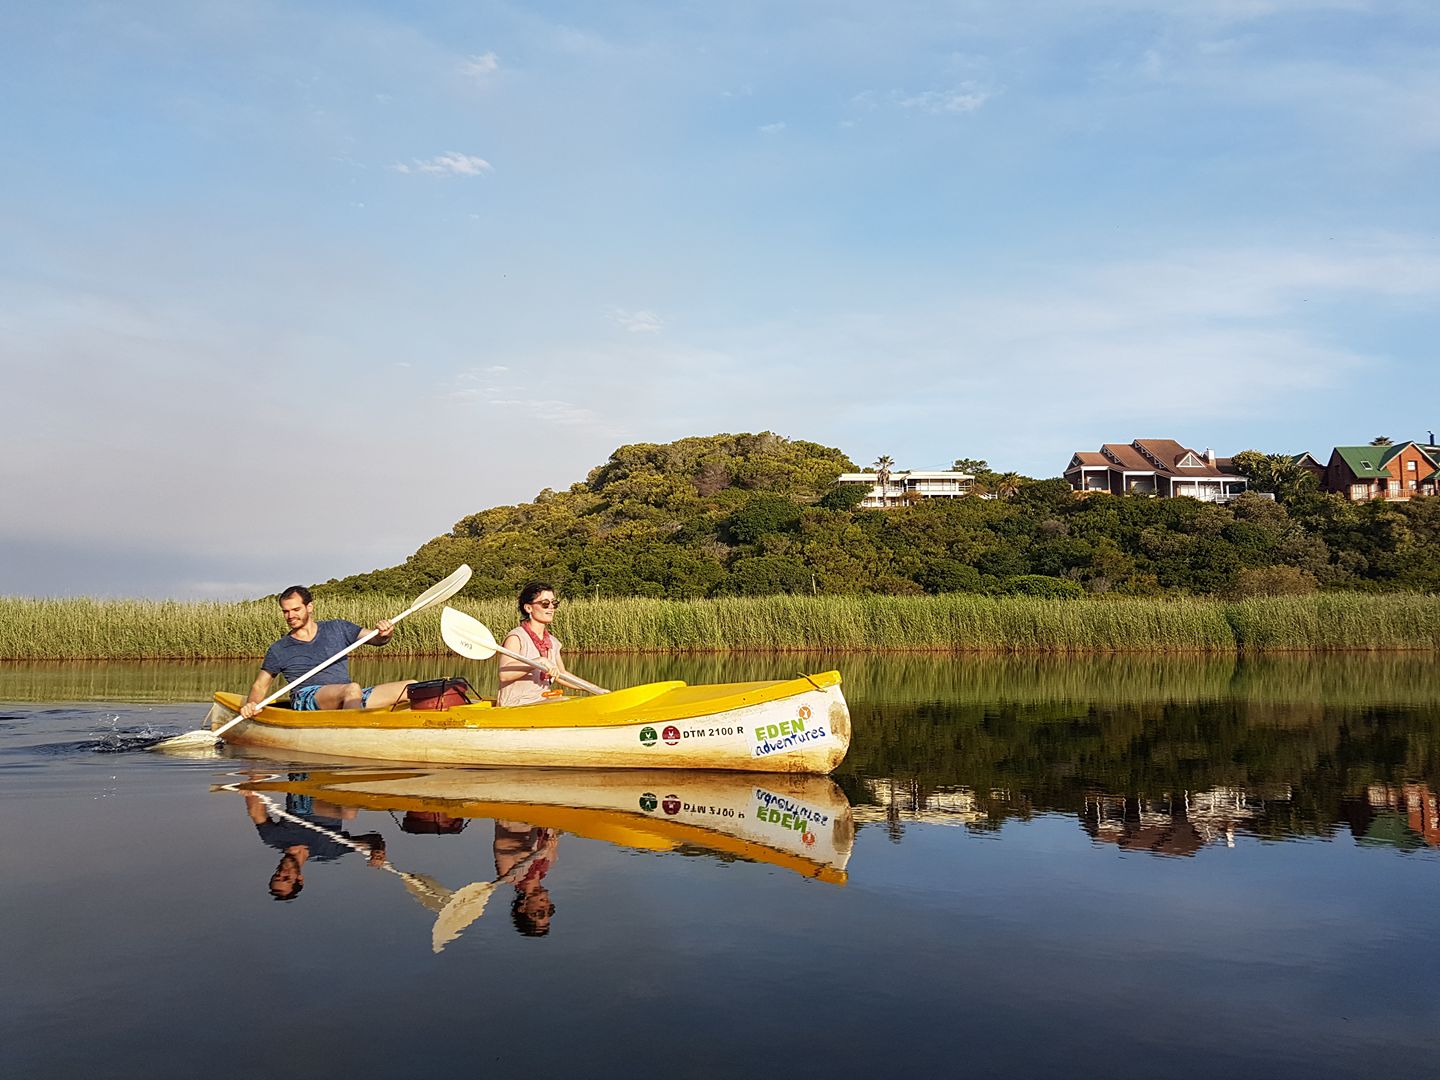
[521, 684]
[523, 855]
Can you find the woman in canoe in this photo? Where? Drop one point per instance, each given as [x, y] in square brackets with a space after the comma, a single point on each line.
[521, 684]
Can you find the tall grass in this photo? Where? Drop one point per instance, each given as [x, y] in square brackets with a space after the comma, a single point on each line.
[1283, 686]
[81, 629]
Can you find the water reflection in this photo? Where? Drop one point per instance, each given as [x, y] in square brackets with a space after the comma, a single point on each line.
[800, 824]
[1405, 816]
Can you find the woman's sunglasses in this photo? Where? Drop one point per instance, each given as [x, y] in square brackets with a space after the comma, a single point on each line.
[546, 604]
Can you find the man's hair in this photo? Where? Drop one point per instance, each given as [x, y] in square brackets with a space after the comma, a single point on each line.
[297, 590]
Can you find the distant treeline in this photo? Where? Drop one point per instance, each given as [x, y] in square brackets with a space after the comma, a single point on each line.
[757, 515]
[133, 629]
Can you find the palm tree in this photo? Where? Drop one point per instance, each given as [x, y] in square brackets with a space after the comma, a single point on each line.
[883, 465]
[1007, 484]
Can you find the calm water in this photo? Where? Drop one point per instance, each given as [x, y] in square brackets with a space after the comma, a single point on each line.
[1128, 868]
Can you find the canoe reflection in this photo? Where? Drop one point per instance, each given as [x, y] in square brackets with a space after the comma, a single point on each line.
[798, 823]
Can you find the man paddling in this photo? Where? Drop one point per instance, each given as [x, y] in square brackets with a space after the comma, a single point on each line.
[308, 643]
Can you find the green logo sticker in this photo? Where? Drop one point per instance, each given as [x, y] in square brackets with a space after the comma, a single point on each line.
[648, 801]
[647, 736]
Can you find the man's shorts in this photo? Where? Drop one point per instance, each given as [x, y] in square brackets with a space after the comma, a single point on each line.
[304, 698]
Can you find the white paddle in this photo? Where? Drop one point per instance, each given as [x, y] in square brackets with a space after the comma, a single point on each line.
[455, 909]
[201, 739]
[471, 638]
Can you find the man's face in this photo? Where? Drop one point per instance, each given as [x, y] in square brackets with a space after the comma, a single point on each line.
[297, 613]
[286, 877]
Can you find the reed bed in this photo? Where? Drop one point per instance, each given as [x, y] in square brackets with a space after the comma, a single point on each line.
[91, 629]
[1276, 683]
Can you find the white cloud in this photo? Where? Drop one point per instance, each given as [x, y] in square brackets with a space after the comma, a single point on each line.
[772, 129]
[447, 164]
[939, 102]
[479, 67]
[637, 322]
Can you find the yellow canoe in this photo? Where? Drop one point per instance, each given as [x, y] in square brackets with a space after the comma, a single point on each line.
[799, 725]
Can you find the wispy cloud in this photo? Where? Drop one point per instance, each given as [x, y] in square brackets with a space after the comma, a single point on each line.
[448, 164]
[940, 102]
[637, 322]
[772, 129]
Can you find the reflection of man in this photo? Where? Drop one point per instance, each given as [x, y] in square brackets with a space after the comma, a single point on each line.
[299, 845]
[517, 843]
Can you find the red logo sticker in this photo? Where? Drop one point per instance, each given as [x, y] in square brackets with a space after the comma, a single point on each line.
[809, 839]
[671, 805]
[804, 713]
[671, 735]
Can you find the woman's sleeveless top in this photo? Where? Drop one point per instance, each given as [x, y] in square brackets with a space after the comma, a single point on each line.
[533, 686]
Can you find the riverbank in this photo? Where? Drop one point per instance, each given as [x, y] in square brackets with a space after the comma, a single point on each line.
[91, 629]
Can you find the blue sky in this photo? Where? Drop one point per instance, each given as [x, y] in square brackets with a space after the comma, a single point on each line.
[288, 288]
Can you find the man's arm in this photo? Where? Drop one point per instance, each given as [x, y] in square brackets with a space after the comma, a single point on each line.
[258, 690]
[384, 629]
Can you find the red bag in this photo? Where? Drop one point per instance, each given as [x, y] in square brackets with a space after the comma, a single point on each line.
[439, 693]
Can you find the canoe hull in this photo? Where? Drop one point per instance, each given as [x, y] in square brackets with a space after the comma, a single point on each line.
[804, 730]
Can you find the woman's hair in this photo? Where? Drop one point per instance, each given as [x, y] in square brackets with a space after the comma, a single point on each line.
[528, 594]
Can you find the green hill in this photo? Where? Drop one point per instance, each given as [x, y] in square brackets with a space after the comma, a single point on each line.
[682, 519]
[761, 514]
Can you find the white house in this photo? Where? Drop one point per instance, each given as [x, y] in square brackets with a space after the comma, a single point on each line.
[904, 487]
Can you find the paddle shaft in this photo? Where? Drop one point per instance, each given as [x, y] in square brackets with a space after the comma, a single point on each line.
[560, 676]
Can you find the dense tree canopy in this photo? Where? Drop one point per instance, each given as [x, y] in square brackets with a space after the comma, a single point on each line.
[760, 514]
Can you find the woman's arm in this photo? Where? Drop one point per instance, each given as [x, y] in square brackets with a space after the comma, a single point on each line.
[512, 670]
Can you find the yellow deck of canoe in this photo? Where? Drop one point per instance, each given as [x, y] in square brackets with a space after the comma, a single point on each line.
[799, 725]
[649, 703]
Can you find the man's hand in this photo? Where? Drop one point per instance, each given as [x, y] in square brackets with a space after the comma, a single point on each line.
[249, 709]
[383, 629]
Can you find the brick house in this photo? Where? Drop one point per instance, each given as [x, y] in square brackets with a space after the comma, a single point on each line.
[1161, 467]
[1396, 472]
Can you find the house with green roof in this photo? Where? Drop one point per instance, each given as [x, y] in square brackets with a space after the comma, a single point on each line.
[1396, 471]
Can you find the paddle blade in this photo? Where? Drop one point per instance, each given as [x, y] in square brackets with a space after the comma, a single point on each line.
[427, 890]
[467, 905]
[466, 635]
[202, 741]
[442, 590]
[191, 742]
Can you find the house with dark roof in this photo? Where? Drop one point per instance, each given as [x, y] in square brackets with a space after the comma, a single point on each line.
[1393, 472]
[1161, 467]
[1311, 464]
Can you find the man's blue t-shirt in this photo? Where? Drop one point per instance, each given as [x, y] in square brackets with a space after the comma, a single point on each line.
[293, 658]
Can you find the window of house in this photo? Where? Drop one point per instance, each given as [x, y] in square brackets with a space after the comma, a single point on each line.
[1410, 465]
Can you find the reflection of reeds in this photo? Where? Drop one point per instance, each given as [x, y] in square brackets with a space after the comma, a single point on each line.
[137, 629]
